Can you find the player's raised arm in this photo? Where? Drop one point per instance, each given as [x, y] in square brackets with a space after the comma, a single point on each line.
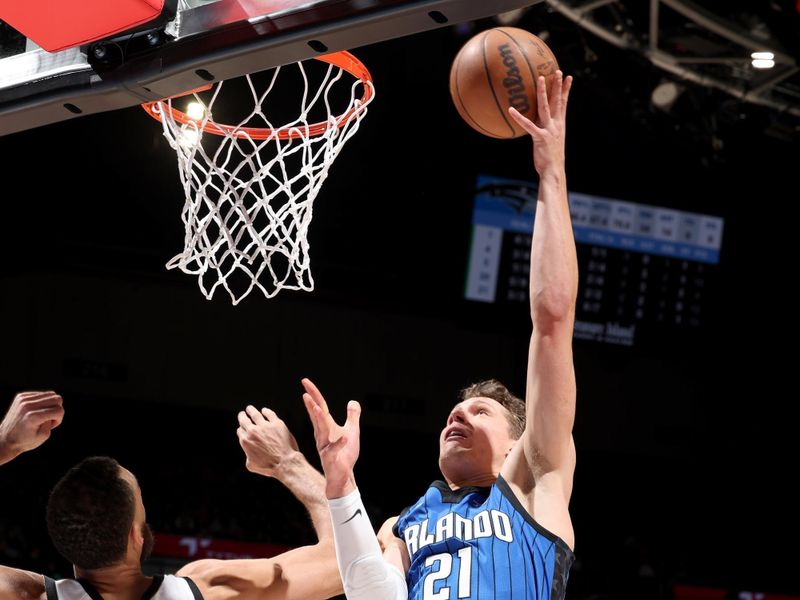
[27, 425]
[306, 573]
[365, 573]
[550, 396]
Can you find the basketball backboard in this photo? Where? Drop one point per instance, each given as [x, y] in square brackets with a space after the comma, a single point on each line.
[207, 41]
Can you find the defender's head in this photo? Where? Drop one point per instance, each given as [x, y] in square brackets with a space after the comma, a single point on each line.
[480, 432]
[96, 517]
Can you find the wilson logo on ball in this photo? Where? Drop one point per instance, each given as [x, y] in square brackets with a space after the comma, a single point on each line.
[513, 80]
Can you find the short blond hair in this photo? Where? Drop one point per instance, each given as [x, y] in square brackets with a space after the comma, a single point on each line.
[491, 388]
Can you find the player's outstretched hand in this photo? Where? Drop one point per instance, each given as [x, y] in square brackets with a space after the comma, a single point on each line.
[549, 130]
[338, 446]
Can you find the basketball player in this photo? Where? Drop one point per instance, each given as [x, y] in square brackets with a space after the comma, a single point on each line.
[96, 519]
[498, 526]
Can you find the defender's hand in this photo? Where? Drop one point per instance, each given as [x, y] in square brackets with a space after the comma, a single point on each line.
[28, 422]
[267, 442]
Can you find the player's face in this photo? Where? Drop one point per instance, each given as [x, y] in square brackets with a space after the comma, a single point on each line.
[475, 441]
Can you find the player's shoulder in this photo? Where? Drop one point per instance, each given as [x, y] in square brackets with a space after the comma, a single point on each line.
[21, 585]
[201, 570]
[205, 575]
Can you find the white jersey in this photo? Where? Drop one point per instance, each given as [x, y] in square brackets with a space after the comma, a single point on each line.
[164, 587]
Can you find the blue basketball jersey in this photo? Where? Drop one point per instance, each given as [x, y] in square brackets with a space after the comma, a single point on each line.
[480, 543]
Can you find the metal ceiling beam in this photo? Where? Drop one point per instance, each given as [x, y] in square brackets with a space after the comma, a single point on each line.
[686, 67]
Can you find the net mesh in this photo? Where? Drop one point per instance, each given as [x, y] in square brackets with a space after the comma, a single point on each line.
[250, 187]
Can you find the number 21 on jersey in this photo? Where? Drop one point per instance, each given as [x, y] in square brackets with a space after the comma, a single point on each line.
[445, 567]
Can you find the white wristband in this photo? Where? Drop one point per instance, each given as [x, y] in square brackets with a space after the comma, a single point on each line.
[365, 574]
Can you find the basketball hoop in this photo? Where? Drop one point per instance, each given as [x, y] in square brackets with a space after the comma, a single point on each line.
[250, 189]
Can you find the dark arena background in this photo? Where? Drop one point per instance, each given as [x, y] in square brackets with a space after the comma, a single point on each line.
[684, 352]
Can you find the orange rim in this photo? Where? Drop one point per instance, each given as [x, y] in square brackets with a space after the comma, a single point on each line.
[344, 60]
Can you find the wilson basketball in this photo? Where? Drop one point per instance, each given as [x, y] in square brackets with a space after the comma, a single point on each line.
[496, 69]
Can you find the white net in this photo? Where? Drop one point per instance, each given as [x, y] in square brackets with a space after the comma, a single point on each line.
[249, 201]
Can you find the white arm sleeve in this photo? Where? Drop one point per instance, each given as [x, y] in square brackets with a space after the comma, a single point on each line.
[366, 576]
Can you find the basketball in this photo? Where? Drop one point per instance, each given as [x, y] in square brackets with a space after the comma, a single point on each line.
[496, 69]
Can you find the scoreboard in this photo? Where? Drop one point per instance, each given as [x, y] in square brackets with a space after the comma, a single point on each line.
[640, 265]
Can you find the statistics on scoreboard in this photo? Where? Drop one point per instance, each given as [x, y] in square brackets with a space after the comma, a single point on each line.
[640, 265]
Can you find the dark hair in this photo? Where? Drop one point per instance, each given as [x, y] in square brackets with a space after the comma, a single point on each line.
[90, 514]
[491, 388]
